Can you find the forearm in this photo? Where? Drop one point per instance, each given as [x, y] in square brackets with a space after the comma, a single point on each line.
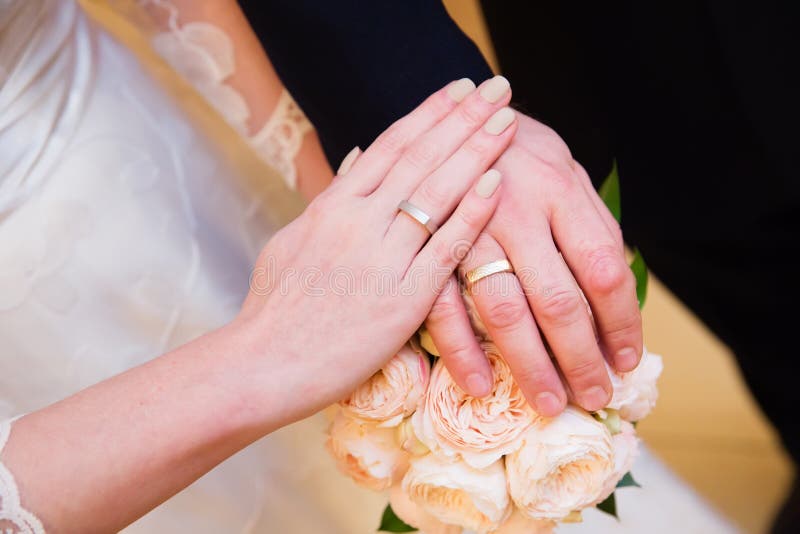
[253, 78]
[98, 460]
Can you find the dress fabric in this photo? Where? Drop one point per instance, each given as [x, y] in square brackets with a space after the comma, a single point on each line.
[127, 230]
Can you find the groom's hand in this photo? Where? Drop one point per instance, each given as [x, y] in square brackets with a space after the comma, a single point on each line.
[562, 241]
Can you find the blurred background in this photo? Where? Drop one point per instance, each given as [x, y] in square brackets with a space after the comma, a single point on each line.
[706, 425]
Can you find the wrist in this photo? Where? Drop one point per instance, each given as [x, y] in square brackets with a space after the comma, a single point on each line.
[261, 377]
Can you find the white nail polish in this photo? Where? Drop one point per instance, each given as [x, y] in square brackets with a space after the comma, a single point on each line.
[501, 120]
[494, 89]
[459, 89]
[348, 161]
[488, 183]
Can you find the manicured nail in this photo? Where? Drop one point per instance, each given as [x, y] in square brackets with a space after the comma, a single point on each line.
[478, 385]
[626, 359]
[459, 89]
[547, 404]
[501, 120]
[487, 184]
[494, 89]
[594, 398]
[348, 161]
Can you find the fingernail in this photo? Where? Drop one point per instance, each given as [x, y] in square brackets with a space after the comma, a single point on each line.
[459, 89]
[594, 398]
[478, 385]
[547, 404]
[494, 89]
[348, 161]
[626, 359]
[487, 184]
[501, 120]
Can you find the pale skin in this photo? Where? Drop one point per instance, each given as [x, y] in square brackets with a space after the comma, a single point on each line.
[202, 402]
[550, 208]
[138, 438]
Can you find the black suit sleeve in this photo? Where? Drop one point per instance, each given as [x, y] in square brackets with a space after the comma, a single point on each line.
[356, 66]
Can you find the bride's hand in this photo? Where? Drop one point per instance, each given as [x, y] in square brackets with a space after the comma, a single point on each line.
[338, 291]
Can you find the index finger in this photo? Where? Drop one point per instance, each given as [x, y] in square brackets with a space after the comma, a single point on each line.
[373, 165]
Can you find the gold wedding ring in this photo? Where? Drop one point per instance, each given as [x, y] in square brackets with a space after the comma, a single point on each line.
[488, 269]
[418, 215]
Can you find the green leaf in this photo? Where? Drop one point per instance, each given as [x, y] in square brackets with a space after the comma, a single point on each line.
[609, 506]
[391, 523]
[609, 192]
[639, 269]
[627, 481]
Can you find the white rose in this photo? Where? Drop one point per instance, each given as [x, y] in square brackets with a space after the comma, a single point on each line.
[563, 465]
[456, 494]
[366, 452]
[479, 430]
[415, 516]
[392, 393]
[519, 523]
[625, 445]
[635, 393]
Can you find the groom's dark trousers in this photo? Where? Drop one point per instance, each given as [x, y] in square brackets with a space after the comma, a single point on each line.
[698, 103]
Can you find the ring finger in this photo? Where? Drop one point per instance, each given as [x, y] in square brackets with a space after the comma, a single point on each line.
[563, 316]
[501, 303]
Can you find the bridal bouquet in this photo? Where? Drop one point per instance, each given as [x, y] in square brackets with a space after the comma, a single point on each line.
[453, 463]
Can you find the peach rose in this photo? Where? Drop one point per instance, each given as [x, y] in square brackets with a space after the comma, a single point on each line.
[635, 393]
[415, 516]
[392, 393]
[366, 452]
[519, 523]
[479, 430]
[454, 493]
[563, 465]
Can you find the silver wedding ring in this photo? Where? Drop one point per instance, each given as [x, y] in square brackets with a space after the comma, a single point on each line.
[418, 215]
[488, 269]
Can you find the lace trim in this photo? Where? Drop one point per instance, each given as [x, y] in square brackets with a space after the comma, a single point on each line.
[14, 519]
[281, 138]
[204, 56]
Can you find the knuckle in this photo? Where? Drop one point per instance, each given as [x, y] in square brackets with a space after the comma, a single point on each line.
[562, 183]
[534, 377]
[439, 104]
[421, 154]
[479, 147]
[471, 114]
[607, 271]
[392, 140]
[469, 217]
[625, 328]
[583, 370]
[441, 253]
[443, 310]
[506, 314]
[432, 194]
[458, 357]
[560, 307]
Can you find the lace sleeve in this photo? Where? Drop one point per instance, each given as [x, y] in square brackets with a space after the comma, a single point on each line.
[203, 55]
[14, 519]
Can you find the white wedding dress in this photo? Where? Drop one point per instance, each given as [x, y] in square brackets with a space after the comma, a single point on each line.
[128, 227]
